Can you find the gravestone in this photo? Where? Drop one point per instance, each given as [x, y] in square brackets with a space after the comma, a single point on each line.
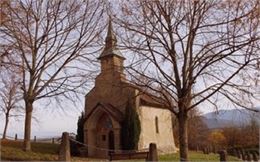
[238, 154]
[248, 156]
[222, 155]
[254, 156]
[242, 153]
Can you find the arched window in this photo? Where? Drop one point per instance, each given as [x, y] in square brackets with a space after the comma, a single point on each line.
[156, 125]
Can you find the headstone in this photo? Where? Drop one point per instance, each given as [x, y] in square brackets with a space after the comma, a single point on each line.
[238, 155]
[242, 154]
[52, 141]
[153, 154]
[254, 156]
[222, 156]
[232, 152]
[248, 156]
[64, 153]
[15, 138]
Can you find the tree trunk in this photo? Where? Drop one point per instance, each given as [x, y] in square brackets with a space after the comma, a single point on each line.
[6, 125]
[27, 127]
[183, 135]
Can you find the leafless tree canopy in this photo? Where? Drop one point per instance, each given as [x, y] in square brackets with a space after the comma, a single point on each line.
[194, 52]
[48, 36]
[54, 42]
[202, 50]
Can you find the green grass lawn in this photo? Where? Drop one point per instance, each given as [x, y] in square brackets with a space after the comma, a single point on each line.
[196, 156]
[12, 150]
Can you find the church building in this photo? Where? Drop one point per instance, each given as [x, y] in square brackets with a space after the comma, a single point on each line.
[105, 108]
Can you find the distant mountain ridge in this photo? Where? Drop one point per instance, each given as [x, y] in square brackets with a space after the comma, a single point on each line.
[233, 117]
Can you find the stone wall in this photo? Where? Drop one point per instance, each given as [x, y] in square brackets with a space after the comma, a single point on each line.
[164, 138]
[109, 88]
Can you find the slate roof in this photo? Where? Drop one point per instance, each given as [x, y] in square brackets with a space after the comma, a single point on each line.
[110, 48]
[147, 99]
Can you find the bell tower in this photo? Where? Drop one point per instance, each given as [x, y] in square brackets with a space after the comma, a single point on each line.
[112, 61]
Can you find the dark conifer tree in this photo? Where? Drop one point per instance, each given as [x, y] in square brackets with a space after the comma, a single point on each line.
[130, 128]
[80, 130]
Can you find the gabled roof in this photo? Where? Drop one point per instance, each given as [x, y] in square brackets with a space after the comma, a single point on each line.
[109, 109]
[148, 99]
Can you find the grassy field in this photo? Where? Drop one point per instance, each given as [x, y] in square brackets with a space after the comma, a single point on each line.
[196, 156]
[12, 150]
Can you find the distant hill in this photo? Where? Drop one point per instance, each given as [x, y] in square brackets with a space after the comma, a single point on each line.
[226, 118]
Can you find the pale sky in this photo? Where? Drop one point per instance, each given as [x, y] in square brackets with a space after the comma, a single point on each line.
[51, 121]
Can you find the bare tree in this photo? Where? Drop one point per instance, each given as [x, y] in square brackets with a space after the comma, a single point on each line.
[197, 129]
[10, 98]
[54, 42]
[193, 53]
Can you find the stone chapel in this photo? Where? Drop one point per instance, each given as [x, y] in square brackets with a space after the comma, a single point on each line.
[105, 108]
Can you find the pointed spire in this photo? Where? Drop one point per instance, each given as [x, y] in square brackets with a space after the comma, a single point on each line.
[111, 38]
[110, 42]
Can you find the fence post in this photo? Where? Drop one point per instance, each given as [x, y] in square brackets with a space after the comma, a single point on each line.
[34, 139]
[15, 137]
[52, 140]
[64, 153]
[153, 154]
[222, 156]
[254, 156]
